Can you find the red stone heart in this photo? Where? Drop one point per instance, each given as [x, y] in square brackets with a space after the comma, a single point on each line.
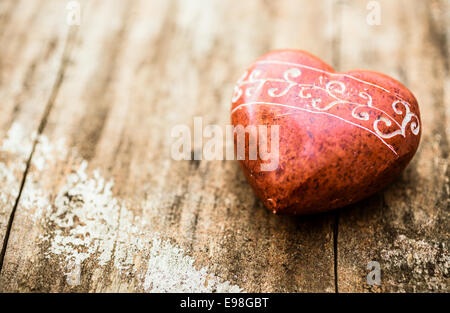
[342, 136]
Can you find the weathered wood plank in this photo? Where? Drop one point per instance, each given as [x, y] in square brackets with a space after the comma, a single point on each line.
[138, 69]
[32, 41]
[404, 228]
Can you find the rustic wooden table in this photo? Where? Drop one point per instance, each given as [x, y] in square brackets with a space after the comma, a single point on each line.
[91, 200]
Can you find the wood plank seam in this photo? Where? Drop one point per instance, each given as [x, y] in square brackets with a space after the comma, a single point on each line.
[336, 58]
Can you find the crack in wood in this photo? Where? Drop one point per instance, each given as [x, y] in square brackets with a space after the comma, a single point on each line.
[70, 38]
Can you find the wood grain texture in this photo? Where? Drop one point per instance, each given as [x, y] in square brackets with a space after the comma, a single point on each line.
[29, 69]
[132, 78]
[114, 87]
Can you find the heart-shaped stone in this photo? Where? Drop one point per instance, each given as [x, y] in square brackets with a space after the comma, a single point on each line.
[342, 136]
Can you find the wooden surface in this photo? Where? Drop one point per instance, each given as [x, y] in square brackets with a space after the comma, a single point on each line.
[94, 102]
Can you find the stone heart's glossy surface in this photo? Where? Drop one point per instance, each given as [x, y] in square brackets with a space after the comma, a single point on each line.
[342, 136]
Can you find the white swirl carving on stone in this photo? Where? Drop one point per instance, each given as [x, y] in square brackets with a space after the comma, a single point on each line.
[336, 90]
[408, 117]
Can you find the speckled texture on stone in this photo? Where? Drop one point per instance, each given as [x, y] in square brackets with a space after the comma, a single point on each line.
[343, 136]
